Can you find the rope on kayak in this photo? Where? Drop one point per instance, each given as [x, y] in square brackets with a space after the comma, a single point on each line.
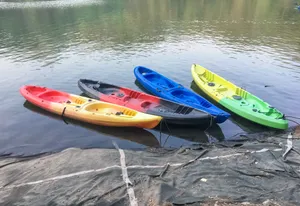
[169, 133]
[167, 126]
[160, 130]
[62, 115]
[293, 121]
[293, 117]
[210, 123]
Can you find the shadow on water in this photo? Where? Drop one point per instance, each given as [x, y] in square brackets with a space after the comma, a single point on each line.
[193, 134]
[133, 134]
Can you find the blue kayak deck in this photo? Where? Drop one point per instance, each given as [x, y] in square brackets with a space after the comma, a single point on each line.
[163, 87]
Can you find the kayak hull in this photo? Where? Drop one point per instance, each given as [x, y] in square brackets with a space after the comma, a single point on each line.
[237, 100]
[163, 87]
[171, 112]
[87, 110]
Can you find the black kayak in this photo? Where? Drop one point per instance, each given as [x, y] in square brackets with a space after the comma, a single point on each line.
[172, 113]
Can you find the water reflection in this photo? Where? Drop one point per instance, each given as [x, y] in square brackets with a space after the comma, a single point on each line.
[15, 4]
[131, 26]
[54, 43]
[192, 134]
[136, 135]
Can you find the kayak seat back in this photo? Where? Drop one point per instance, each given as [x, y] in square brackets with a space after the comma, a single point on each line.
[101, 108]
[134, 94]
[242, 93]
[131, 95]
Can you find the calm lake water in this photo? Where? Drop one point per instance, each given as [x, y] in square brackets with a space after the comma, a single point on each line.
[253, 43]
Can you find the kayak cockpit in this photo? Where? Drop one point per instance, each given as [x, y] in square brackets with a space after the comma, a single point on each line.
[108, 109]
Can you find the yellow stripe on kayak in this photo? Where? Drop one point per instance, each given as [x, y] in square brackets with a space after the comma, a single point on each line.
[221, 89]
[104, 113]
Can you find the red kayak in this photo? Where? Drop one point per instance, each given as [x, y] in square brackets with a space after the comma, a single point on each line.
[86, 109]
[172, 112]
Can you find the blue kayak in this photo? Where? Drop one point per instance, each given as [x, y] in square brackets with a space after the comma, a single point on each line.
[165, 88]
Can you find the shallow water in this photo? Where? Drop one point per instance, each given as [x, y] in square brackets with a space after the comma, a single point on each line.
[255, 44]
